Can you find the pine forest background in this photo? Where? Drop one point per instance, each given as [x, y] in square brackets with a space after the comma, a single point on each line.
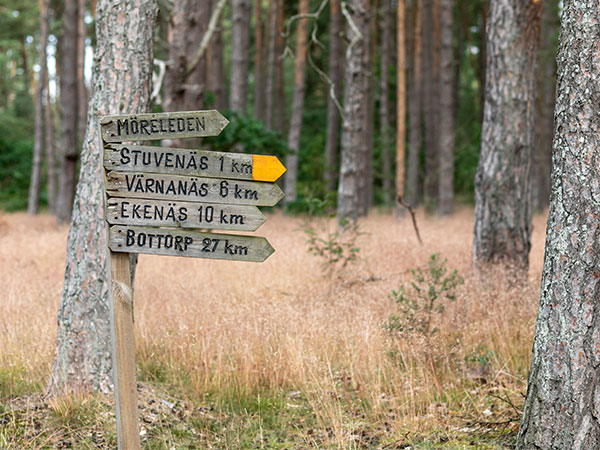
[262, 121]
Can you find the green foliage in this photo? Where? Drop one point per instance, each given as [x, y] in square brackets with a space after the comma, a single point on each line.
[16, 146]
[432, 288]
[249, 133]
[335, 245]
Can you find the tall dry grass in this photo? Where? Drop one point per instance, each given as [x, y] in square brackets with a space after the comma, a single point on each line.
[289, 325]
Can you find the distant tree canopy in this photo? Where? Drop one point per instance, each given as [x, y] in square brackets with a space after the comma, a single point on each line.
[267, 27]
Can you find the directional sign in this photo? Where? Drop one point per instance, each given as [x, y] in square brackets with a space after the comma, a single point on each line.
[193, 189]
[163, 241]
[145, 127]
[213, 216]
[181, 161]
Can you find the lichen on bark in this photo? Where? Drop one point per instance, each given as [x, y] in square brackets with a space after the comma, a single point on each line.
[562, 407]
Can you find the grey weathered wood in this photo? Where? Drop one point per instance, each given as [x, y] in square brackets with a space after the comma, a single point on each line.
[156, 213]
[144, 127]
[190, 244]
[181, 161]
[123, 354]
[176, 187]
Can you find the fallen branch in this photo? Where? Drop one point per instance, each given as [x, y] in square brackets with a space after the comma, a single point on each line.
[412, 215]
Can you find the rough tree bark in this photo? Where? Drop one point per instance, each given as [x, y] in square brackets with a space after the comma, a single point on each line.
[384, 101]
[502, 183]
[446, 111]
[414, 108]
[563, 395]
[240, 46]
[38, 146]
[333, 114]
[356, 91]
[122, 80]
[69, 113]
[291, 160]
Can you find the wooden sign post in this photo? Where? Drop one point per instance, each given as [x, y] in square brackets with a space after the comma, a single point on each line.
[160, 201]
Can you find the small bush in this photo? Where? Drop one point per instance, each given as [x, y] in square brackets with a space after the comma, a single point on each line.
[431, 289]
[334, 244]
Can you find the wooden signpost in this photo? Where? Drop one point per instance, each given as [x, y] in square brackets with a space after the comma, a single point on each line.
[160, 201]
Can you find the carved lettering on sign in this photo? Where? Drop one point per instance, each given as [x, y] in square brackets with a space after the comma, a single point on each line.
[175, 187]
[180, 161]
[160, 241]
[141, 127]
[136, 211]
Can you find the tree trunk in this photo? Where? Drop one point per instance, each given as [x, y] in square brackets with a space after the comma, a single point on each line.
[82, 95]
[271, 62]
[547, 88]
[502, 183]
[333, 114]
[291, 161]
[25, 66]
[69, 113]
[430, 104]
[176, 67]
[371, 64]
[280, 70]
[481, 74]
[401, 102]
[122, 81]
[216, 69]
[414, 107]
[446, 110]
[356, 92]
[461, 36]
[384, 101]
[240, 50]
[50, 151]
[561, 406]
[38, 146]
[196, 24]
[259, 69]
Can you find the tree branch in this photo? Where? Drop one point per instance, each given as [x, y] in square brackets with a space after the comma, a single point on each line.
[157, 80]
[412, 215]
[212, 26]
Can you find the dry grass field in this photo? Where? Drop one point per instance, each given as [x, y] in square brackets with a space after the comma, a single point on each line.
[284, 354]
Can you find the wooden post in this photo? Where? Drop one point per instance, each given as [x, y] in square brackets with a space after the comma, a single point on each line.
[234, 200]
[123, 352]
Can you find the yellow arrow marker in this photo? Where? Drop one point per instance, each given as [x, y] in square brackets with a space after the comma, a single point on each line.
[266, 168]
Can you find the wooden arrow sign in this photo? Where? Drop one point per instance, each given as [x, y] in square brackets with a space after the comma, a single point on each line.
[181, 161]
[163, 241]
[146, 127]
[192, 189]
[156, 213]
